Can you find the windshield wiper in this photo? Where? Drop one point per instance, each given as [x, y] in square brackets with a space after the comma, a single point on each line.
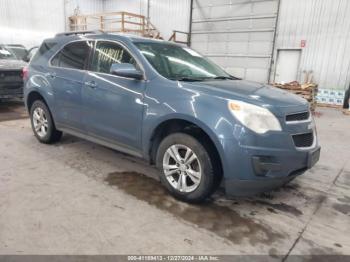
[225, 77]
[187, 79]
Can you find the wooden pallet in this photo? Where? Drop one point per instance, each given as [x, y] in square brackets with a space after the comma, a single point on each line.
[124, 22]
[307, 91]
[329, 105]
[112, 22]
[346, 112]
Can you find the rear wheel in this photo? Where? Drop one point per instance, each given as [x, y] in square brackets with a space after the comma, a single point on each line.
[186, 168]
[42, 124]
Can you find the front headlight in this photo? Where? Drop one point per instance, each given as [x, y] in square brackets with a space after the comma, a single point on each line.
[256, 118]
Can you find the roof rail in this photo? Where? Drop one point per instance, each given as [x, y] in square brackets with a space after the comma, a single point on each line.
[78, 33]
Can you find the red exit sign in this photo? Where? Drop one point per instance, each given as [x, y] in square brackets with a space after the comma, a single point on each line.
[302, 43]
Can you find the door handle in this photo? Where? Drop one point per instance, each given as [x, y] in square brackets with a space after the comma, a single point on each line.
[91, 84]
[51, 75]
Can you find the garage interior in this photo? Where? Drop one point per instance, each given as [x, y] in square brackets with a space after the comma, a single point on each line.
[80, 198]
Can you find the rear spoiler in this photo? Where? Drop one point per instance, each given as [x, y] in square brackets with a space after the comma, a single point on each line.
[79, 33]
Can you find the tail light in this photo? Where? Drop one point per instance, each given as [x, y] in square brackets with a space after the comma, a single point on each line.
[25, 73]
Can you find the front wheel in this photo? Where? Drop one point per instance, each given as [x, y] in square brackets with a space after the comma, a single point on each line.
[186, 168]
[42, 124]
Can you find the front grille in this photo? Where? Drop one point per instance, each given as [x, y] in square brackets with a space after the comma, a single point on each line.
[298, 117]
[303, 140]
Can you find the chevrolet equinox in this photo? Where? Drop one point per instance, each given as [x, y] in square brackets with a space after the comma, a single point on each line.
[168, 104]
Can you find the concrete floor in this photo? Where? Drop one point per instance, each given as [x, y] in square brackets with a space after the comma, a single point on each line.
[77, 197]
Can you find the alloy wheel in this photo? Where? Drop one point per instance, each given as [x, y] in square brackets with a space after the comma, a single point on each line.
[182, 168]
[40, 122]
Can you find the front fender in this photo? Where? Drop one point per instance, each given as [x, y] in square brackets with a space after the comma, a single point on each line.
[150, 129]
[209, 113]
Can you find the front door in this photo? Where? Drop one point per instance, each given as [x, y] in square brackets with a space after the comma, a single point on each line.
[113, 107]
[66, 75]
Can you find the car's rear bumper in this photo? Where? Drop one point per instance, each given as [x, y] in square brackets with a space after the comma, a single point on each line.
[20, 96]
[15, 90]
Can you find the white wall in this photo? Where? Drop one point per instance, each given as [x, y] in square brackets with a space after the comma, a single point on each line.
[28, 22]
[325, 26]
[84, 6]
[132, 6]
[169, 15]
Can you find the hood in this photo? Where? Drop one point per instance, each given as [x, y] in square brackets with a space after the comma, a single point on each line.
[252, 92]
[9, 64]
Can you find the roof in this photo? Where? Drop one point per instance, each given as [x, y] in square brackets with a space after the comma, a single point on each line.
[15, 45]
[120, 36]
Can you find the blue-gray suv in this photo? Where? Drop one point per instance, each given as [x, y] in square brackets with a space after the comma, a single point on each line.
[168, 104]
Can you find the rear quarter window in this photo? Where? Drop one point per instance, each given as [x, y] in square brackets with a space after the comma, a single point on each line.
[43, 50]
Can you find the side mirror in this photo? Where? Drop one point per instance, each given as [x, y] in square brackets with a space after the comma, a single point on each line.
[26, 58]
[126, 70]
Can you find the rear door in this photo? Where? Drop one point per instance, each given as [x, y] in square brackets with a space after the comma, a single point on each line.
[66, 75]
[113, 105]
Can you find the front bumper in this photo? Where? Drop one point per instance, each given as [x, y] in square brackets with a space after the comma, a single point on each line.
[236, 187]
[271, 171]
[257, 163]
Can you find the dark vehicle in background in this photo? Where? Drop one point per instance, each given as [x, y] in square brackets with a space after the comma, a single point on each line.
[11, 82]
[346, 99]
[21, 52]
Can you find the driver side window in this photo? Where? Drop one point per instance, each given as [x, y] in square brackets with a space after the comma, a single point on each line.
[108, 53]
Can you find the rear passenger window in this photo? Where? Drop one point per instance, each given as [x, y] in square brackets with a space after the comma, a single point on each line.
[108, 53]
[74, 55]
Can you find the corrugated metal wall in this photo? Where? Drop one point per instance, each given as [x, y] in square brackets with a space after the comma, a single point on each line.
[169, 15]
[28, 22]
[84, 6]
[325, 26]
[132, 6]
[236, 34]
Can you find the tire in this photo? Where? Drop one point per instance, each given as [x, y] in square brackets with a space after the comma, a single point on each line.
[195, 190]
[40, 116]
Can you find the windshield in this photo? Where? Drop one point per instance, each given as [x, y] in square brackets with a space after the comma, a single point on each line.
[180, 63]
[6, 54]
[19, 52]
